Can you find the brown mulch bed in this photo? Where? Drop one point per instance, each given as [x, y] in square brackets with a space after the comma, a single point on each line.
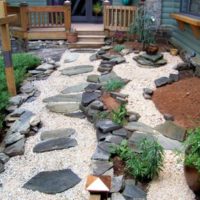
[109, 102]
[182, 100]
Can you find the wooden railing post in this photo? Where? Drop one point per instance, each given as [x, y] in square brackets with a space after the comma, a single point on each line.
[6, 47]
[67, 15]
[24, 16]
[105, 17]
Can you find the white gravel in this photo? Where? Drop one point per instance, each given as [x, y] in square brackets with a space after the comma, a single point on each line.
[171, 184]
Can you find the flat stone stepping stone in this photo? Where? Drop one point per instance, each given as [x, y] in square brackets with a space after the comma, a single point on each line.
[4, 158]
[70, 57]
[117, 196]
[75, 88]
[107, 77]
[55, 144]
[53, 182]
[100, 167]
[16, 148]
[139, 126]
[93, 78]
[121, 132]
[78, 114]
[99, 154]
[153, 58]
[132, 191]
[107, 125]
[165, 142]
[171, 130]
[161, 81]
[92, 87]
[80, 69]
[114, 139]
[45, 66]
[64, 98]
[1, 167]
[59, 133]
[63, 108]
[12, 138]
[117, 183]
[89, 97]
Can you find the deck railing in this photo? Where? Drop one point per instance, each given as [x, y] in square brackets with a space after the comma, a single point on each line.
[118, 17]
[35, 17]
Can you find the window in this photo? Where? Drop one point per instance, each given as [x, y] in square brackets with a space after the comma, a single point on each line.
[190, 7]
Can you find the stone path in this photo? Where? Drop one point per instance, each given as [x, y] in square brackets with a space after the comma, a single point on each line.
[72, 140]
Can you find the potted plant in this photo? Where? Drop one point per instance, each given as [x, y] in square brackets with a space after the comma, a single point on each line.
[72, 36]
[119, 37]
[97, 9]
[192, 159]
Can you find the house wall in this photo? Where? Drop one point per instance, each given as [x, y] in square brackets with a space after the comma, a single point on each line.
[30, 2]
[183, 39]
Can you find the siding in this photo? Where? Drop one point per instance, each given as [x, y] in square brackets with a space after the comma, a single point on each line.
[30, 2]
[182, 39]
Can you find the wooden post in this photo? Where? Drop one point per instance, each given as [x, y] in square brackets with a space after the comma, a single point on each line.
[6, 46]
[67, 15]
[105, 17]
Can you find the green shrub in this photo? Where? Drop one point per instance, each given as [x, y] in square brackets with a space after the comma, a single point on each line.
[146, 164]
[192, 146]
[113, 85]
[21, 62]
[119, 116]
[118, 48]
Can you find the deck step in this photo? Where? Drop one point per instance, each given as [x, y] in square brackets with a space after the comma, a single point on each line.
[91, 32]
[86, 44]
[91, 38]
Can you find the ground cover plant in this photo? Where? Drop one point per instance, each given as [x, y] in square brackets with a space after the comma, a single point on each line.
[113, 85]
[21, 62]
[119, 116]
[145, 165]
[118, 48]
[192, 146]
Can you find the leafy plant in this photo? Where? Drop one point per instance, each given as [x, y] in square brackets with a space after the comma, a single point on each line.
[103, 115]
[192, 149]
[21, 63]
[118, 48]
[119, 116]
[119, 36]
[146, 164]
[97, 8]
[113, 85]
[142, 27]
[122, 150]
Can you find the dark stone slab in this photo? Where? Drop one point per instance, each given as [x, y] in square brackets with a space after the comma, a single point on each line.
[161, 81]
[173, 78]
[77, 114]
[97, 105]
[168, 117]
[133, 192]
[1, 167]
[100, 167]
[55, 144]
[106, 146]
[153, 58]
[101, 136]
[107, 125]
[117, 184]
[171, 130]
[15, 149]
[89, 97]
[121, 132]
[109, 76]
[53, 182]
[93, 78]
[4, 158]
[115, 139]
[92, 87]
[100, 154]
[148, 91]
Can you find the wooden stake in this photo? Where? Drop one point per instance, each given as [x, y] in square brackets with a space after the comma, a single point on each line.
[6, 46]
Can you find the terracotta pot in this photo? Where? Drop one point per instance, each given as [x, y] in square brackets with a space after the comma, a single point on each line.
[72, 37]
[152, 49]
[193, 178]
[174, 52]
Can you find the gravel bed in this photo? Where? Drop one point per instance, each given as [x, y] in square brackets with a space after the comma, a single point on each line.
[171, 184]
